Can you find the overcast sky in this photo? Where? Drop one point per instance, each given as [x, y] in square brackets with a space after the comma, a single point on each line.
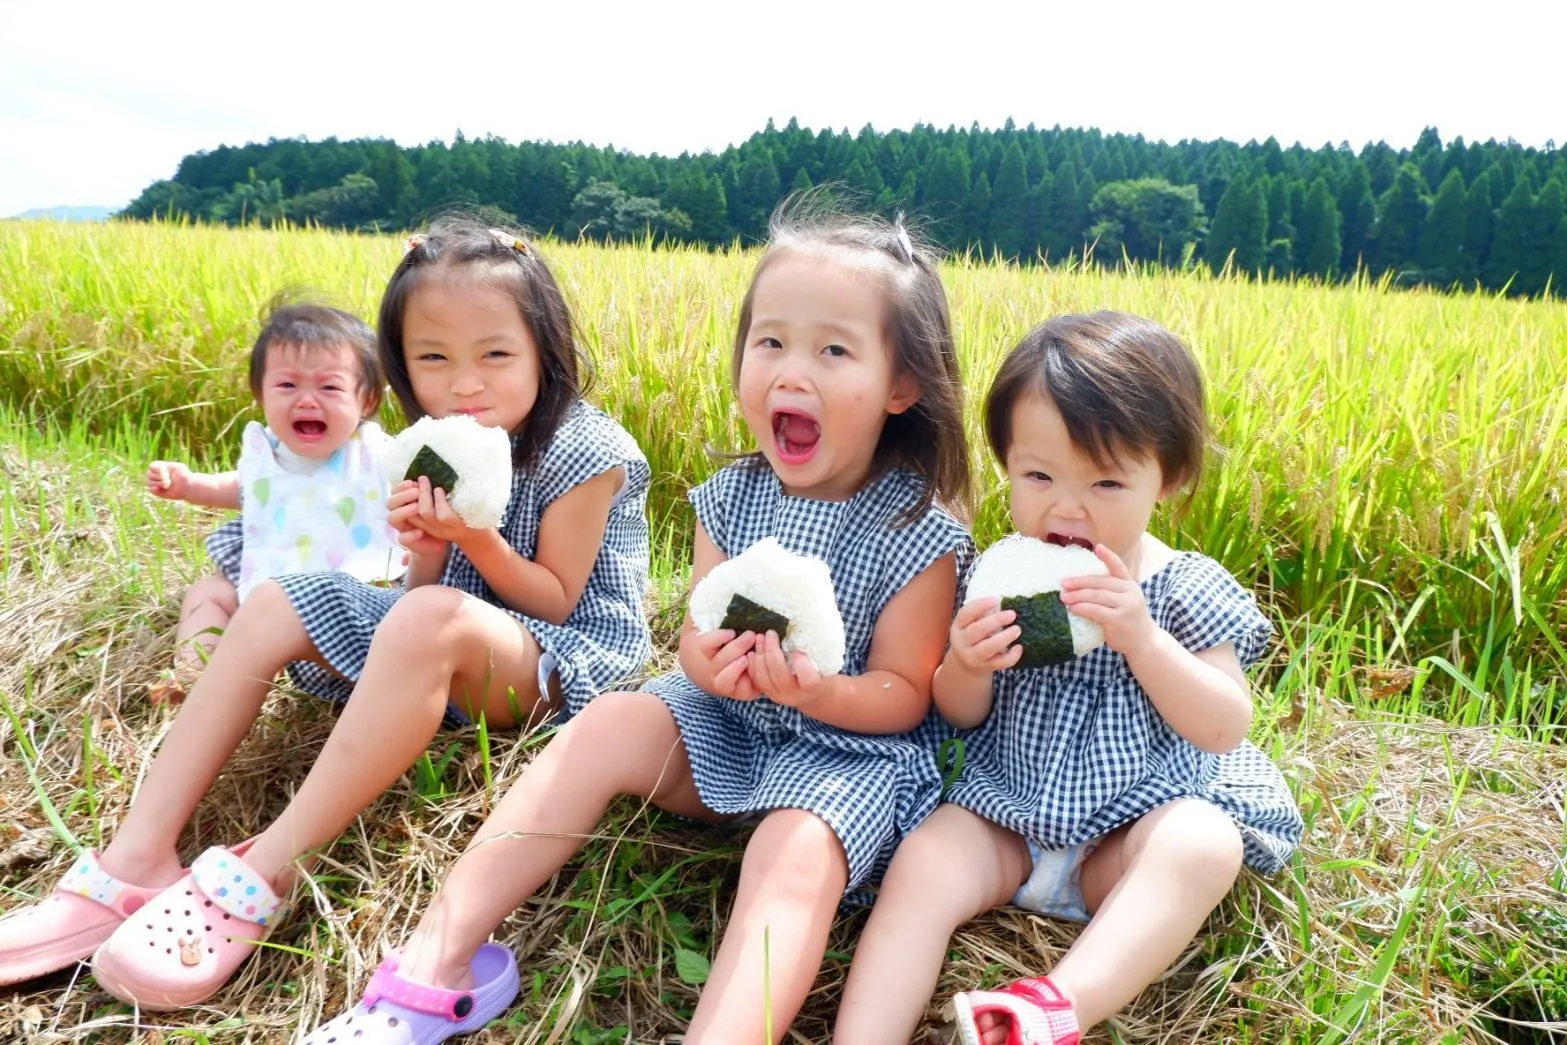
[97, 100]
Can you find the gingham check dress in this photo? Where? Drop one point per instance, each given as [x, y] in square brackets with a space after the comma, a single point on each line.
[1072, 751]
[604, 640]
[751, 756]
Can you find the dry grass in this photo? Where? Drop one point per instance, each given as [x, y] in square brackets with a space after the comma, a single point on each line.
[1460, 829]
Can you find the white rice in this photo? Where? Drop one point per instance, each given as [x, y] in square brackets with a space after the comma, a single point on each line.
[479, 454]
[798, 587]
[1023, 566]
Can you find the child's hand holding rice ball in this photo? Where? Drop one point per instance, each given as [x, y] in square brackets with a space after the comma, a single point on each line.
[769, 620]
[1033, 603]
[449, 478]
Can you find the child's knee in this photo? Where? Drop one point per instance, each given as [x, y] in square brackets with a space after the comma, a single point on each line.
[799, 850]
[427, 617]
[1204, 841]
[215, 591]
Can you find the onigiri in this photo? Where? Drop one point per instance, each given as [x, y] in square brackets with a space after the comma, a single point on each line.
[1026, 574]
[769, 588]
[470, 461]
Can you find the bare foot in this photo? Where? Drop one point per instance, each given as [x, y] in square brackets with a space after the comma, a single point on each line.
[422, 963]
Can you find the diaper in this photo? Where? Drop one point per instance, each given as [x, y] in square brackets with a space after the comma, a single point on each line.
[1054, 886]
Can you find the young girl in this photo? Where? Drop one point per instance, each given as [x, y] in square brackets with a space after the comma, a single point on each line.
[536, 616]
[309, 481]
[1117, 789]
[846, 376]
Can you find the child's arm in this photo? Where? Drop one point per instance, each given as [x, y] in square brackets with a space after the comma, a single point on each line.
[571, 532]
[1203, 695]
[893, 694]
[980, 644]
[172, 481]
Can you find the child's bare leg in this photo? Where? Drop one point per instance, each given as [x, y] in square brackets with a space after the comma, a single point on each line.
[1151, 886]
[954, 867]
[209, 604]
[223, 705]
[205, 611]
[621, 743]
[436, 645]
[791, 880]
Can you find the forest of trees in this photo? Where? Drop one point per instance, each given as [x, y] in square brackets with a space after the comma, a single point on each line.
[1492, 214]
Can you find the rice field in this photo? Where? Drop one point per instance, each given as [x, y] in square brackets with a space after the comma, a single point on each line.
[1389, 478]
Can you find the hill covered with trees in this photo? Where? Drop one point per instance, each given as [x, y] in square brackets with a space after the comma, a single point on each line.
[1443, 213]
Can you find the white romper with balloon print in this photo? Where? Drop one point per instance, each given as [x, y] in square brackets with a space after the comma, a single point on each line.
[305, 516]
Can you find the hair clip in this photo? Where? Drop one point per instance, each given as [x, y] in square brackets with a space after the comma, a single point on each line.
[414, 242]
[506, 239]
[902, 236]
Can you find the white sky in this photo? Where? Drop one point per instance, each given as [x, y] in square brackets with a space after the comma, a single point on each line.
[97, 99]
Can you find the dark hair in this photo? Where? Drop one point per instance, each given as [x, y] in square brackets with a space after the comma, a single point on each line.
[306, 327]
[1125, 386]
[507, 259]
[929, 438]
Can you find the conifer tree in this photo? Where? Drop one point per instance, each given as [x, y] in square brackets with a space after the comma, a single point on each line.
[1510, 243]
[1441, 256]
[1063, 205]
[1077, 233]
[1358, 212]
[1401, 216]
[700, 196]
[976, 216]
[1479, 225]
[1549, 206]
[1009, 205]
[1239, 232]
[1317, 245]
[1281, 227]
[945, 191]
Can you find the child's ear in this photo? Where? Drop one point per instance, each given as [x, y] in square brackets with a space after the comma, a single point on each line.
[905, 393]
[369, 403]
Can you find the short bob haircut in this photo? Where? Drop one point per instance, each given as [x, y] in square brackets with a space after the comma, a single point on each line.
[1126, 388]
[308, 327]
[506, 259]
[929, 438]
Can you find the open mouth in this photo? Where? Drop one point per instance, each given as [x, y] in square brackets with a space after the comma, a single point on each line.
[796, 435]
[310, 429]
[1066, 540]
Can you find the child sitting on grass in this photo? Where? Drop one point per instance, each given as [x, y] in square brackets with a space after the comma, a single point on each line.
[1117, 788]
[531, 617]
[308, 484]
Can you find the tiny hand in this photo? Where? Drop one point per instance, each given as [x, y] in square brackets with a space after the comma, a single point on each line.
[791, 680]
[725, 655]
[983, 637]
[1114, 601]
[402, 512]
[168, 479]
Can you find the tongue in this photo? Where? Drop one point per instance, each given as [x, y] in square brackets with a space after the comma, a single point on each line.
[799, 430]
[310, 427]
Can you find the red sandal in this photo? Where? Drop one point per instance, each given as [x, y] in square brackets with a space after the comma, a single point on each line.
[1039, 1014]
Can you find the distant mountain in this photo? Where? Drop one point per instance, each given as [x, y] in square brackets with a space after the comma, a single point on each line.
[69, 213]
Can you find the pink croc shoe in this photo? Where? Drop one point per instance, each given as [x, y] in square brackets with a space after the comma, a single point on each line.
[1038, 1013]
[68, 925]
[187, 941]
[398, 1011]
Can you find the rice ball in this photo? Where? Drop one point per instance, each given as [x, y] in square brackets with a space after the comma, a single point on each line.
[470, 461]
[1025, 574]
[769, 588]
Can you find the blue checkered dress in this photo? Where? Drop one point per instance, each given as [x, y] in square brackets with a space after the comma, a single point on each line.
[1073, 751]
[604, 640]
[751, 756]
